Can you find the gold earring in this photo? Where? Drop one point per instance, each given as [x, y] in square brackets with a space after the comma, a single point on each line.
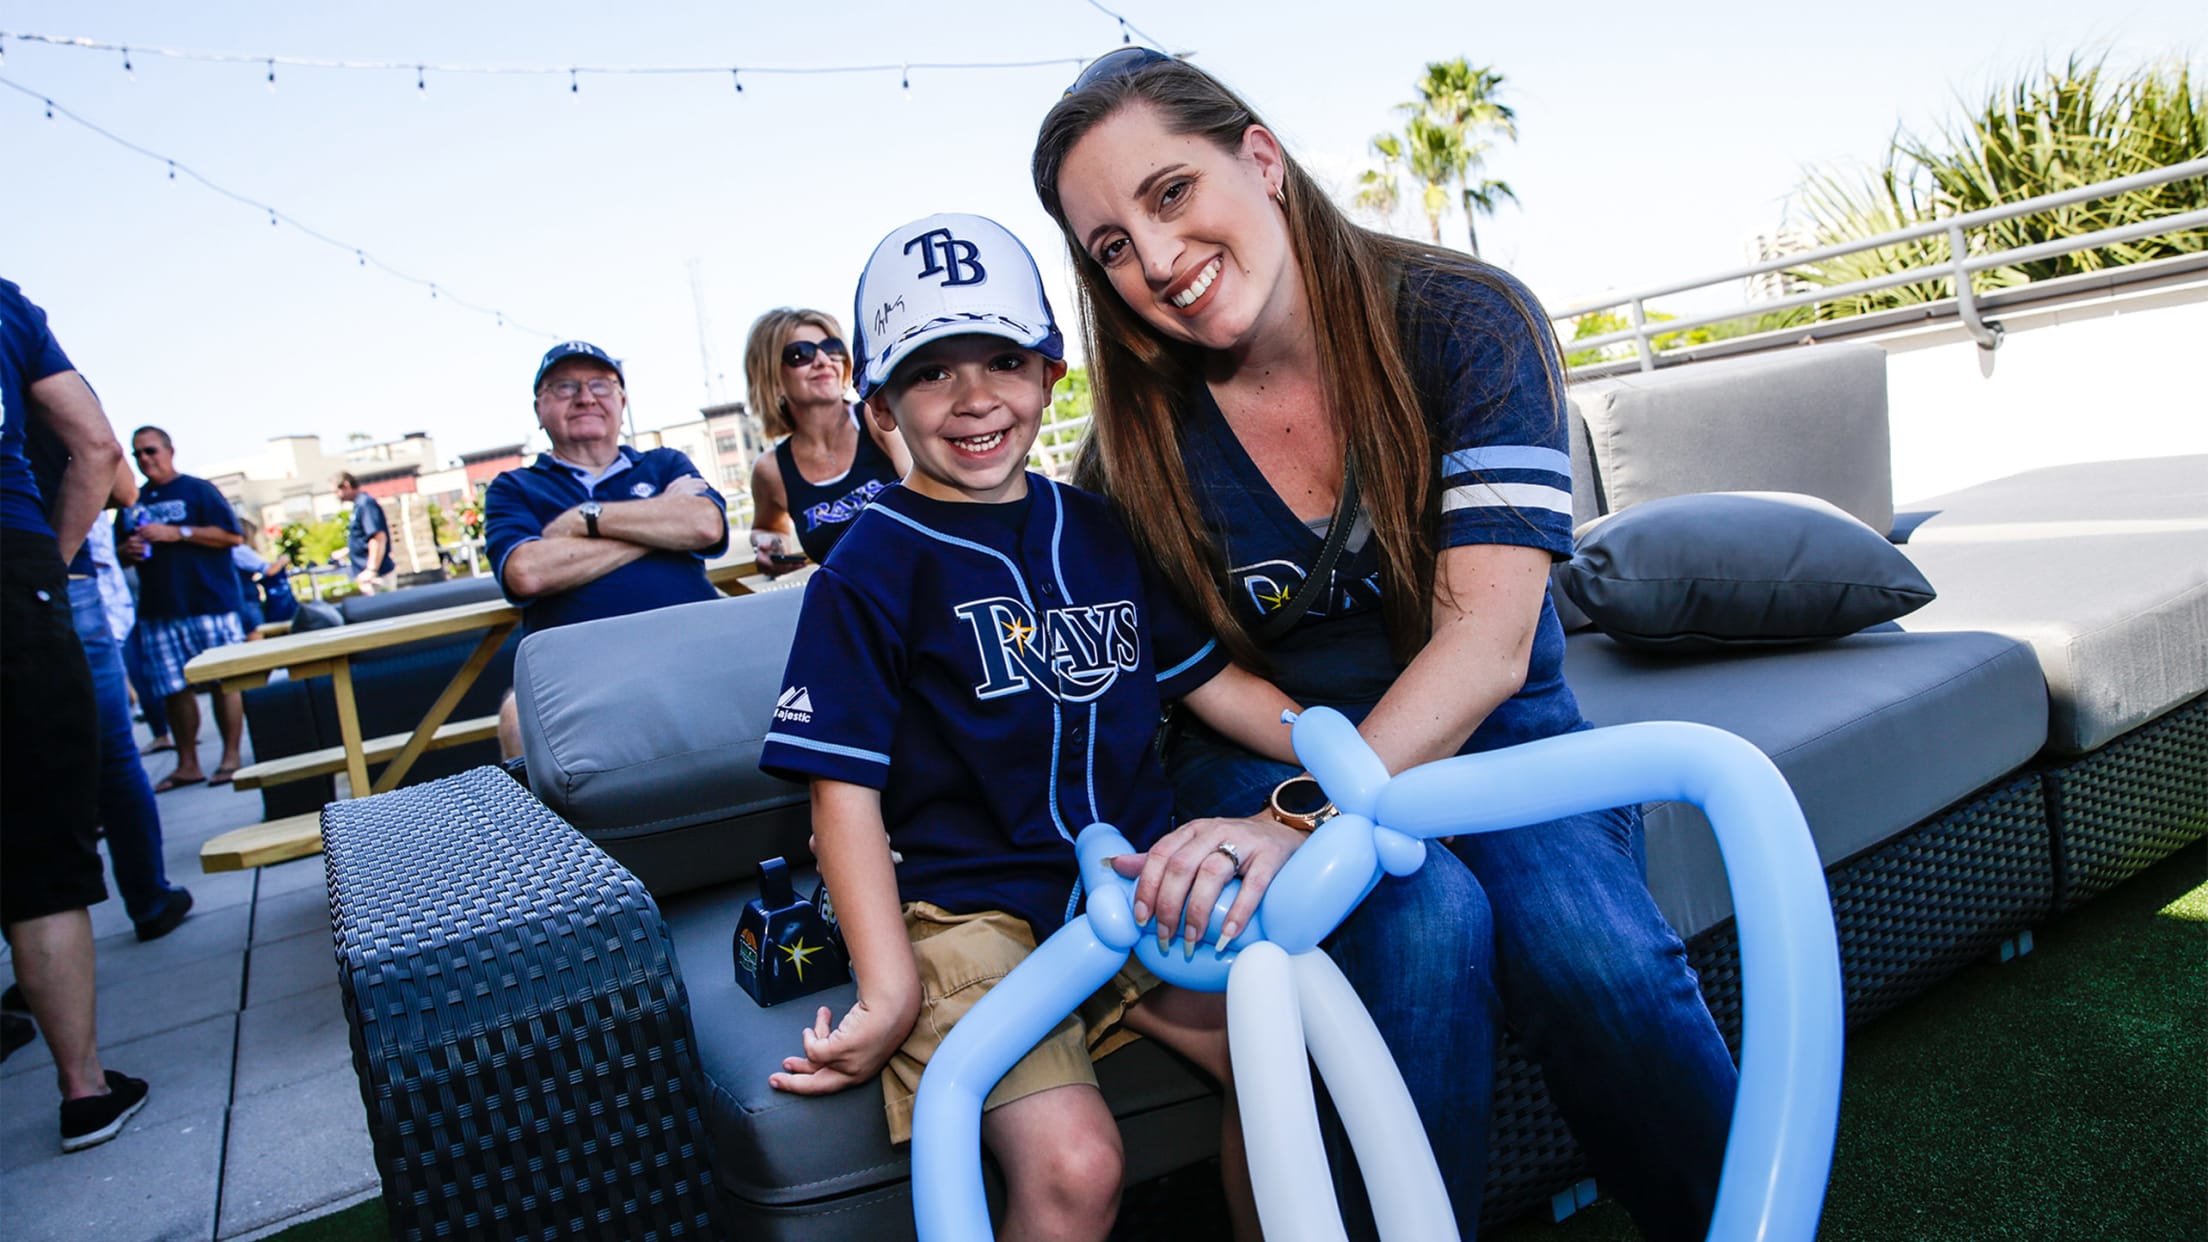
[1281, 195]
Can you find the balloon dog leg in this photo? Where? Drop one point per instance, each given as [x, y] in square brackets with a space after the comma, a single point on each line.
[948, 1200]
[1409, 1201]
[1280, 1120]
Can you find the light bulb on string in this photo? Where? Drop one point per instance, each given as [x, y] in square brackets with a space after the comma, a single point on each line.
[128, 72]
[1124, 37]
[905, 72]
[272, 217]
[362, 256]
[739, 82]
[421, 83]
[433, 293]
[172, 170]
[49, 109]
[574, 85]
[272, 76]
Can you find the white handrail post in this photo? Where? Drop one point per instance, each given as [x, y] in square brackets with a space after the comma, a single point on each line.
[1641, 348]
[1988, 335]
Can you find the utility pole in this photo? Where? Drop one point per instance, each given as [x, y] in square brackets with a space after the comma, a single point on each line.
[705, 333]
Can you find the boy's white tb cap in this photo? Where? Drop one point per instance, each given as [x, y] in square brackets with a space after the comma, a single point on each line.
[947, 275]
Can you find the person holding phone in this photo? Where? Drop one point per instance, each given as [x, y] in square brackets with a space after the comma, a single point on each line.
[828, 463]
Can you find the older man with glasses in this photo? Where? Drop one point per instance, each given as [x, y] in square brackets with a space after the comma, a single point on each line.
[594, 528]
[180, 536]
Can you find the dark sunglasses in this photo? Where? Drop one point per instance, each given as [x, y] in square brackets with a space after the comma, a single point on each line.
[800, 353]
[1114, 64]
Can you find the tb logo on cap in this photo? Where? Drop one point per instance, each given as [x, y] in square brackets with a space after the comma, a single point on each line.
[956, 260]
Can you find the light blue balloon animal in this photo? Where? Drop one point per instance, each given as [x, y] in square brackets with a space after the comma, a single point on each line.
[1285, 997]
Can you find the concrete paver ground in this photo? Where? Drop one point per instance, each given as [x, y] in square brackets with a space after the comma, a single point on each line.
[254, 1122]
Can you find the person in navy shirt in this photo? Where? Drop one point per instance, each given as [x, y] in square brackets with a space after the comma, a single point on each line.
[367, 537]
[1273, 380]
[187, 599]
[49, 768]
[976, 677]
[594, 528]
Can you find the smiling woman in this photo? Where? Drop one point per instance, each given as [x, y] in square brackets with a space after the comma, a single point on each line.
[829, 463]
[1347, 451]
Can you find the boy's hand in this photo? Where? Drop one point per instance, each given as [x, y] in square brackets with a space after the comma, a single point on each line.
[851, 1054]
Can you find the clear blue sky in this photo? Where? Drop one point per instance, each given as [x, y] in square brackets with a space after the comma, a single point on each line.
[1653, 144]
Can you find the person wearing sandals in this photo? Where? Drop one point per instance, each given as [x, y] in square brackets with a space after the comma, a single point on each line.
[1285, 400]
[828, 462]
[187, 599]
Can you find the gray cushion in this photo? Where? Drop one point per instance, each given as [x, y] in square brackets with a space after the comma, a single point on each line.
[775, 1150]
[1806, 420]
[1690, 574]
[644, 732]
[452, 594]
[1874, 732]
[2101, 566]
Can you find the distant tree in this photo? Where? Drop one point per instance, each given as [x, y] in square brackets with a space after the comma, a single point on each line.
[1443, 147]
[2054, 130]
[1066, 424]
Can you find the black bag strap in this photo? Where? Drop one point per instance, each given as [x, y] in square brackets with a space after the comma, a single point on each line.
[1279, 621]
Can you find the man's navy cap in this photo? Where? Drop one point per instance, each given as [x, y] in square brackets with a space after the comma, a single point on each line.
[575, 349]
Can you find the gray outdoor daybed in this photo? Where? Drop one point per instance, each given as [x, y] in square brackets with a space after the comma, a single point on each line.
[550, 1039]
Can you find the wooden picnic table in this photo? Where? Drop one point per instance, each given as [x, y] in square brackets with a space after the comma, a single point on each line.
[329, 653]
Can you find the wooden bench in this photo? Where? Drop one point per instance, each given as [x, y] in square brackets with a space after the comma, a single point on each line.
[278, 840]
[331, 759]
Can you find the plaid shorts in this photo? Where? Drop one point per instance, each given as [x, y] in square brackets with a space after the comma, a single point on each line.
[169, 643]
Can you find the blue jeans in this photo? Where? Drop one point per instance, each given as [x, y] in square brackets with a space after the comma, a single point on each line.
[153, 705]
[1551, 929]
[127, 808]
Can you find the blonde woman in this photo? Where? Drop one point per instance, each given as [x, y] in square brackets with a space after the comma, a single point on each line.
[828, 463]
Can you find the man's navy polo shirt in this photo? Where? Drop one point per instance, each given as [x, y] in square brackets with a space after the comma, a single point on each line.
[520, 503]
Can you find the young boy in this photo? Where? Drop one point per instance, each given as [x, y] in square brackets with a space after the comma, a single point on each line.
[976, 677]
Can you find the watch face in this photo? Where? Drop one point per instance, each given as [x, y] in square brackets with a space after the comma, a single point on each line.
[1301, 797]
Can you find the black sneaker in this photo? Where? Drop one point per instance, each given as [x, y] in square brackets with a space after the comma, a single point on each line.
[95, 1119]
[180, 904]
[15, 1031]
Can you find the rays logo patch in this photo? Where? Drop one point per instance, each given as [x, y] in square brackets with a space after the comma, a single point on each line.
[1073, 654]
[642, 490]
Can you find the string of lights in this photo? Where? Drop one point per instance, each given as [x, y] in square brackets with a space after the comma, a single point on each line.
[574, 73]
[276, 217]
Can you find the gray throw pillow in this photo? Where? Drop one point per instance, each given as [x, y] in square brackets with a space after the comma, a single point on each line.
[1691, 575]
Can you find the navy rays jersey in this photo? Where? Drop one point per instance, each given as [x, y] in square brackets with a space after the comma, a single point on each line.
[996, 671]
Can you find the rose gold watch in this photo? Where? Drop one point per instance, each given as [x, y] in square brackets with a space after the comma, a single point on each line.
[1300, 803]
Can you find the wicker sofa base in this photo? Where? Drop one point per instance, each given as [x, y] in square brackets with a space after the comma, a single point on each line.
[2130, 804]
[522, 1040]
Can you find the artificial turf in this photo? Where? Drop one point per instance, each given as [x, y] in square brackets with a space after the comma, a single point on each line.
[2059, 1096]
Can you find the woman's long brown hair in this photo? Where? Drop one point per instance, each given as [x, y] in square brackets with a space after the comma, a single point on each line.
[1353, 278]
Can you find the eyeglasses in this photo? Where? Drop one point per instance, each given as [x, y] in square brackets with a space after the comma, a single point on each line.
[151, 450]
[801, 353]
[1117, 63]
[568, 390]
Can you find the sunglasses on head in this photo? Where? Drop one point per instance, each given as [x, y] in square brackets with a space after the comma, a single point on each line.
[801, 353]
[1114, 64]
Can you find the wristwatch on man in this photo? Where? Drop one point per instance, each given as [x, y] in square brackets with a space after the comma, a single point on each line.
[590, 509]
[1299, 803]
[183, 534]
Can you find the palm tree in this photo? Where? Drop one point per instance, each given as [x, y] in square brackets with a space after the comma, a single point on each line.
[1442, 147]
[2059, 129]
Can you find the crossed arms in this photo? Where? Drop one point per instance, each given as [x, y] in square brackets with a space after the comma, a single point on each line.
[680, 519]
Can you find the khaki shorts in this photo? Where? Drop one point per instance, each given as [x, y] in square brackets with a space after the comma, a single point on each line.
[960, 957]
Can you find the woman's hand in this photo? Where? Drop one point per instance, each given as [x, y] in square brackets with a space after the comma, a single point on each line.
[1182, 875]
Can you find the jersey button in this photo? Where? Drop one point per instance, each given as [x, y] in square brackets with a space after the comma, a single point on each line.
[1049, 589]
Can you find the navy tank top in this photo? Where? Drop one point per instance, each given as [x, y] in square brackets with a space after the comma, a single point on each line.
[823, 511]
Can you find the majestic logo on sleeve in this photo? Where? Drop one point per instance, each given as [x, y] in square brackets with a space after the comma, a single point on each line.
[795, 705]
[1073, 654]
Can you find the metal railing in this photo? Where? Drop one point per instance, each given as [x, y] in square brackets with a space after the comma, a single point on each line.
[1957, 268]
